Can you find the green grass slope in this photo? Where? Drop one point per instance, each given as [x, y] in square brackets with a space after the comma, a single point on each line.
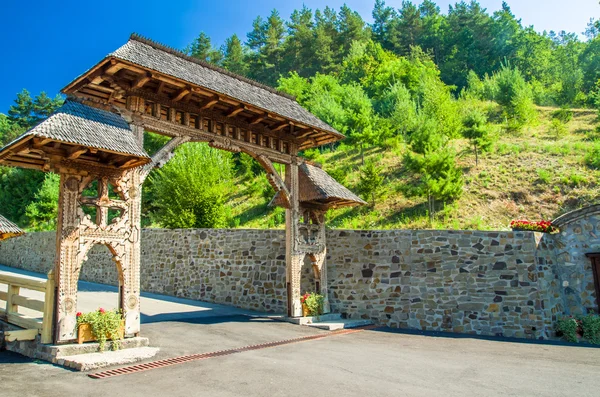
[535, 174]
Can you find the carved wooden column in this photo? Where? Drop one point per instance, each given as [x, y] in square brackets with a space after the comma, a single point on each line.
[294, 259]
[68, 248]
[77, 233]
[130, 251]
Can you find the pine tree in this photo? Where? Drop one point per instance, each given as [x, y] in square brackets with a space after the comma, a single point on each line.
[371, 181]
[201, 48]
[22, 113]
[351, 27]
[406, 28]
[298, 51]
[382, 15]
[475, 130]
[266, 41]
[233, 56]
[433, 165]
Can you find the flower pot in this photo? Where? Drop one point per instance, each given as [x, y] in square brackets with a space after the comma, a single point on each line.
[85, 334]
[305, 312]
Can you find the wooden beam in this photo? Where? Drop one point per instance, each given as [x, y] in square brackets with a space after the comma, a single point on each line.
[160, 87]
[259, 118]
[115, 67]
[236, 110]
[23, 334]
[281, 126]
[141, 81]
[210, 102]
[304, 133]
[181, 94]
[76, 152]
[39, 142]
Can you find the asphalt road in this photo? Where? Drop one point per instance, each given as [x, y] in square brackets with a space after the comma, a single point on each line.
[367, 363]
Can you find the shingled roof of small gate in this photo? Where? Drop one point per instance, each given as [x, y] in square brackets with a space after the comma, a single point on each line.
[7, 227]
[149, 54]
[317, 185]
[80, 124]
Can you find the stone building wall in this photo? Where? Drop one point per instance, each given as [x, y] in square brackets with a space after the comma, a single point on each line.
[579, 234]
[488, 283]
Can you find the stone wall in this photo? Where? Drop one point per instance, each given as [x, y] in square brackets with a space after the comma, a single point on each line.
[488, 283]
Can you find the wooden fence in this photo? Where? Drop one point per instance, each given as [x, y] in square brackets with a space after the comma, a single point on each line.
[13, 298]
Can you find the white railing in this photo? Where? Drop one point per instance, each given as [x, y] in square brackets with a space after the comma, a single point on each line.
[15, 299]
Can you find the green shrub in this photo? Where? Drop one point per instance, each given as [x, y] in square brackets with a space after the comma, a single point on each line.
[544, 175]
[592, 158]
[371, 181]
[515, 97]
[339, 174]
[557, 129]
[591, 328]
[568, 328]
[572, 329]
[564, 114]
[190, 190]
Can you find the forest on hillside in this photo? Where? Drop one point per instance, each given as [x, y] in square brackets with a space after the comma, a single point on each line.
[439, 111]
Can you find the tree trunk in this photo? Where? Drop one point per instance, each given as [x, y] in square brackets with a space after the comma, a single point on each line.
[362, 155]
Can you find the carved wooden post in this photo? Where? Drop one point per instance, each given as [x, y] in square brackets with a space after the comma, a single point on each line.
[67, 258]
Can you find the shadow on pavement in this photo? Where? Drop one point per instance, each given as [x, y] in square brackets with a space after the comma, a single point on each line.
[452, 335]
[201, 318]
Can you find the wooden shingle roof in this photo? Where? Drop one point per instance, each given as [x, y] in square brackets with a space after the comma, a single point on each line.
[162, 59]
[160, 74]
[8, 229]
[75, 127]
[318, 187]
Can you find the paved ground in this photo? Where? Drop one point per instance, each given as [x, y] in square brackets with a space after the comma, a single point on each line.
[368, 363]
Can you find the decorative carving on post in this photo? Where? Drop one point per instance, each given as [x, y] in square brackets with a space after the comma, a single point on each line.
[77, 233]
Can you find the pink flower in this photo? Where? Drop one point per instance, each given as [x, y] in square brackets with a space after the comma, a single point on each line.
[101, 310]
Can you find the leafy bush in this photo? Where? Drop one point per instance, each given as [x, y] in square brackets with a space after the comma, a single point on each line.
[592, 158]
[515, 97]
[370, 181]
[564, 114]
[544, 175]
[591, 328]
[557, 129]
[42, 212]
[572, 329]
[190, 190]
[475, 129]
[339, 174]
[568, 328]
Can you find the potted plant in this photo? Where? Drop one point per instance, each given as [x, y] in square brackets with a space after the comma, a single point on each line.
[312, 304]
[101, 325]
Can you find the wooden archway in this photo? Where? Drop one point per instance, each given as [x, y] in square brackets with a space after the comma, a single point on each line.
[98, 135]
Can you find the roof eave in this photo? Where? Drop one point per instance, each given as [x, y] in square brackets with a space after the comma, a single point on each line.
[72, 87]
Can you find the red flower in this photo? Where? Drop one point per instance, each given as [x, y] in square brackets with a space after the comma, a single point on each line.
[101, 310]
[541, 226]
[303, 298]
[79, 314]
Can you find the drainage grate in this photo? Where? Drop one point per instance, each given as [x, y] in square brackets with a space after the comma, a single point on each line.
[202, 356]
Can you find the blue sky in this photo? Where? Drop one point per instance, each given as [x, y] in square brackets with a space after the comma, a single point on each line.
[46, 44]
